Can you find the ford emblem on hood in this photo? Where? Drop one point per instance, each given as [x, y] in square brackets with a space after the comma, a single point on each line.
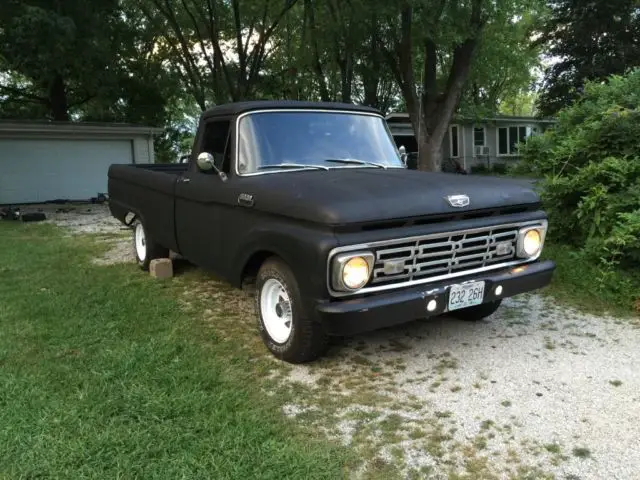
[458, 200]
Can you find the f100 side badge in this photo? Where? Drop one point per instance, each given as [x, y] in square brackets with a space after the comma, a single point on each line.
[245, 199]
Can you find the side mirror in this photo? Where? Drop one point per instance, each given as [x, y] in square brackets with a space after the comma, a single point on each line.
[206, 162]
[403, 154]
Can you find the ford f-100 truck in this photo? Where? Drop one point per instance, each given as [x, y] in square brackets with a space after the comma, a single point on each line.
[314, 202]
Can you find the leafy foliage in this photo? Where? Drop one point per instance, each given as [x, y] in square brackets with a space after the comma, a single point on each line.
[150, 61]
[592, 40]
[434, 48]
[591, 165]
[56, 49]
[502, 72]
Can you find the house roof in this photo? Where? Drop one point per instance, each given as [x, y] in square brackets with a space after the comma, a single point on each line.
[236, 108]
[93, 128]
[403, 117]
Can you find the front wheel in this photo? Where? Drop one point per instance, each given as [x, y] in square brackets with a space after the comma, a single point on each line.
[479, 312]
[286, 329]
[145, 248]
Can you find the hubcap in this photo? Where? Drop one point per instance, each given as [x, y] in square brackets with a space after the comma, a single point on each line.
[275, 307]
[140, 241]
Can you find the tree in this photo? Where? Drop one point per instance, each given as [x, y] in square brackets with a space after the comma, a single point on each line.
[504, 65]
[431, 48]
[342, 48]
[590, 41]
[219, 47]
[56, 55]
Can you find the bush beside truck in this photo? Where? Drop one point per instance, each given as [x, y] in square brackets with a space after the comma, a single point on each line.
[590, 166]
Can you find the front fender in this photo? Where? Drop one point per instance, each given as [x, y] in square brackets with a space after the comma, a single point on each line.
[304, 250]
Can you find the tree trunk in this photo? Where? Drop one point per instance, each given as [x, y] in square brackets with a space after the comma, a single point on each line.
[430, 158]
[431, 110]
[429, 147]
[370, 85]
[58, 102]
[371, 69]
[346, 78]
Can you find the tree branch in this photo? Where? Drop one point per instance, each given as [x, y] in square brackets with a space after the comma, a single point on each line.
[430, 83]
[182, 46]
[199, 35]
[24, 94]
[235, 6]
[215, 41]
[317, 65]
[264, 38]
[82, 101]
[459, 71]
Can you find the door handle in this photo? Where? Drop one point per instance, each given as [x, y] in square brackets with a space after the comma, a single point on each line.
[185, 180]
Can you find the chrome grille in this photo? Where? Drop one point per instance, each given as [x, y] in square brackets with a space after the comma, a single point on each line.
[443, 254]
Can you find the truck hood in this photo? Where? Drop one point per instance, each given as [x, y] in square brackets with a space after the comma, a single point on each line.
[363, 195]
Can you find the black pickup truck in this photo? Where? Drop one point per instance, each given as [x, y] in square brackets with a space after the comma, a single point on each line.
[314, 202]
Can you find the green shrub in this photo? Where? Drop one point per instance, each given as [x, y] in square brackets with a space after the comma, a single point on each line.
[590, 162]
[479, 168]
[500, 168]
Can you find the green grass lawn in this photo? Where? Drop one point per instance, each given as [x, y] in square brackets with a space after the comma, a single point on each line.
[103, 375]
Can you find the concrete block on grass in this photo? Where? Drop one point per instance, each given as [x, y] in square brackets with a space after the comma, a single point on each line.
[161, 268]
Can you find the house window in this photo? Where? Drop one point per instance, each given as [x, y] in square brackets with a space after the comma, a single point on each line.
[509, 137]
[478, 137]
[454, 141]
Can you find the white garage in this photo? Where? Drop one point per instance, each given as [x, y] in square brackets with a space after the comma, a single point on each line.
[43, 162]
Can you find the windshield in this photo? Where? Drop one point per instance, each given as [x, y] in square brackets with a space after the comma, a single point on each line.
[313, 139]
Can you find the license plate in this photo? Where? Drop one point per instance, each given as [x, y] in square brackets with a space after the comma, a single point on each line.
[466, 295]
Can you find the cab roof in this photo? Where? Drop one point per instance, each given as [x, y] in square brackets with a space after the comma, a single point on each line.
[237, 108]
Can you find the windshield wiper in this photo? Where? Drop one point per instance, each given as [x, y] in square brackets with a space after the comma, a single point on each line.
[293, 165]
[354, 161]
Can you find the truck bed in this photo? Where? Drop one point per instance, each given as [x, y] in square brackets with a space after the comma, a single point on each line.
[170, 168]
[147, 190]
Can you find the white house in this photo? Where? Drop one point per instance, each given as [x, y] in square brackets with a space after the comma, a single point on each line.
[45, 161]
[473, 141]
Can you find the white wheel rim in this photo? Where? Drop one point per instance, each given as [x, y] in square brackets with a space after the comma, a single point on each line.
[275, 308]
[141, 242]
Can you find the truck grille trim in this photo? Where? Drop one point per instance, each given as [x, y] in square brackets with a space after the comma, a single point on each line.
[410, 261]
[443, 254]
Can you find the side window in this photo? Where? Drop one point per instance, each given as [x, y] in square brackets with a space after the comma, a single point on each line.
[217, 142]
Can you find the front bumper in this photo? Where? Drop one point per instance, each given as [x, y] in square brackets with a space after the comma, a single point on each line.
[348, 317]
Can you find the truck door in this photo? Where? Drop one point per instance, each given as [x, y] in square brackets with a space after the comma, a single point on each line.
[200, 198]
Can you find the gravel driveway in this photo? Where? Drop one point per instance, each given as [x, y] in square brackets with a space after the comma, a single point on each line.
[536, 391]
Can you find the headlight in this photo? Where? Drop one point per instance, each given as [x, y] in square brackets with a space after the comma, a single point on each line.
[530, 241]
[355, 273]
[351, 271]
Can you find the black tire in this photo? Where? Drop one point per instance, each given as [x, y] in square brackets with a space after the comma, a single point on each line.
[479, 312]
[306, 339]
[152, 250]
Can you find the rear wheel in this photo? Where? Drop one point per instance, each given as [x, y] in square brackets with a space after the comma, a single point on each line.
[286, 329]
[145, 248]
[479, 312]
